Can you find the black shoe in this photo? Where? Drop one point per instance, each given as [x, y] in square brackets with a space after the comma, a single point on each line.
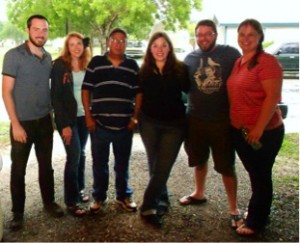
[17, 222]
[54, 209]
[162, 210]
[152, 219]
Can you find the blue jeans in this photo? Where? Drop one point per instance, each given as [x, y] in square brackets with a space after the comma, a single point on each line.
[259, 164]
[40, 133]
[121, 143]
[162, 143]
[75, 164]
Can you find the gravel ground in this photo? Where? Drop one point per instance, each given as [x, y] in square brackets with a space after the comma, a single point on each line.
[209, 222]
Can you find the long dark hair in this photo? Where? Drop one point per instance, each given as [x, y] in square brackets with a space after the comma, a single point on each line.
[258, 27]
[149, 66]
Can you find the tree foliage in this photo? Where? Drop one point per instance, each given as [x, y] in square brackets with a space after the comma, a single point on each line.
[96, 18]
[9, 31]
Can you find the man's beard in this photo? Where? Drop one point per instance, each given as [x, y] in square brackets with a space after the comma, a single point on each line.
[37, 44]
[210, 47]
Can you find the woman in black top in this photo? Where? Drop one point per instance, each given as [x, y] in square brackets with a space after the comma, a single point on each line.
[162, 120]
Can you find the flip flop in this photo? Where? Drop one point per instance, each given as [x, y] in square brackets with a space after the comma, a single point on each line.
[244, 230]
[236, 220]
[76, 210]
[189, 200]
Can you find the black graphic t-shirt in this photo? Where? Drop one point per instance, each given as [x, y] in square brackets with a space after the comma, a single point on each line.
[208, 73]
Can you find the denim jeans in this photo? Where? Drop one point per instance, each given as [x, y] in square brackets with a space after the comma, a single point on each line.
[40, 133]
[259, 164]
[75, 164]
[121, 142]
[162, 143]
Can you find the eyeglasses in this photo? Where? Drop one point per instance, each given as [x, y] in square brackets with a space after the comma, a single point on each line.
[208, 34]
[118, 41]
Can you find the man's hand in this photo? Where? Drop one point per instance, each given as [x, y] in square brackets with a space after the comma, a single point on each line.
[19, 134]
[90, 123]
[132, 124]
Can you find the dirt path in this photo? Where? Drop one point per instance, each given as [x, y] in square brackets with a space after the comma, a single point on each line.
[192, 223]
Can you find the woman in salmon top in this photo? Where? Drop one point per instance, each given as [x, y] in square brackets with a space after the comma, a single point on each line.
[254, 89]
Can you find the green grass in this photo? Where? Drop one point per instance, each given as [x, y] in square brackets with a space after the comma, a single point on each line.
[286, 167]
[4, 132]
[290, 146]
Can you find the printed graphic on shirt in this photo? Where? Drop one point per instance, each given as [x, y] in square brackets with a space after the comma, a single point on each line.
[208, 76]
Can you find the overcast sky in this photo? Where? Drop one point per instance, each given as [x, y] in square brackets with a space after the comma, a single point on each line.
[2, 10]
[263, 10]
[238, 10]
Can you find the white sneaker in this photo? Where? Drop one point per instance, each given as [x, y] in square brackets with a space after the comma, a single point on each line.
[127, 204]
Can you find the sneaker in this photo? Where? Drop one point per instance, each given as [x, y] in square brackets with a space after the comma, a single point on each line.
[96, 205]
[127, 204]
[17, 222]
[54, 209]
[83, 196]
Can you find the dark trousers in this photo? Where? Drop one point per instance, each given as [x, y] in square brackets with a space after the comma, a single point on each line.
[40, 133]
[259, 164]
[162, 143]
[121, 142]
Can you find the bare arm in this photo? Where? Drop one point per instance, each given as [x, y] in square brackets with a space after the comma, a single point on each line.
[272, 88]
[86, 100]
[18, 131]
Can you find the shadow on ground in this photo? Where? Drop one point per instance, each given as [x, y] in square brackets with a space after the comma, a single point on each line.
[208, 222]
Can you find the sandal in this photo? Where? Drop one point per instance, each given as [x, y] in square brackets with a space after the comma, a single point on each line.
[236, 220]
[190, 200]
[76, 210]
[244, 230]
[83, 196]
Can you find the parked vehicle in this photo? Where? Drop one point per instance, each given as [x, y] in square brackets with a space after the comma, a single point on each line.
[135, 49]
[288, 55]
[181, 53]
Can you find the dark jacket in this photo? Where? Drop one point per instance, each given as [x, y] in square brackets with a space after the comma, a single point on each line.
[62, 94]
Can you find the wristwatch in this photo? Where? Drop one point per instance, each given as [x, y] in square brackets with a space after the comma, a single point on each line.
[135, 121]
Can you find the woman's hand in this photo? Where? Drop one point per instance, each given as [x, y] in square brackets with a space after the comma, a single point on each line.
[67, 135]
[254, 135]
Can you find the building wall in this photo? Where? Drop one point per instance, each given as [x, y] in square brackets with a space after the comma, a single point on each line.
[277, 35]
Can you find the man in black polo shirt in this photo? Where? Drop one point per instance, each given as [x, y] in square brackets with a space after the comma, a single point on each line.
[109, 92]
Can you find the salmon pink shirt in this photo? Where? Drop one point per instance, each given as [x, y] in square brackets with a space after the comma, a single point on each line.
[246, 93]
